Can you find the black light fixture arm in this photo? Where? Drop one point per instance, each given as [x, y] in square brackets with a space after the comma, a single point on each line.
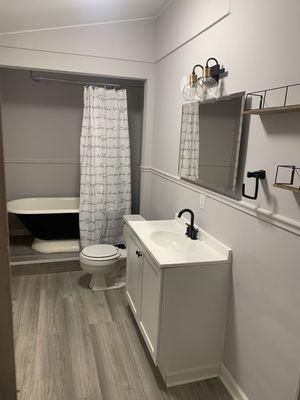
[212, 58]
[261, 174]
[215, 70]
[197, 66]
[193, 77]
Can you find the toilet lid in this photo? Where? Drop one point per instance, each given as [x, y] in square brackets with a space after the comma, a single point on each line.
[100, 251]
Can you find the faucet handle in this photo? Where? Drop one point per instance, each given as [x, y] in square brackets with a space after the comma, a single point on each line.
[188, 230]
[191, 232]
[194, 234]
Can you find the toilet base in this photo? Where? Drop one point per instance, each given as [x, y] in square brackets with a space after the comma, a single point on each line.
[100, 282]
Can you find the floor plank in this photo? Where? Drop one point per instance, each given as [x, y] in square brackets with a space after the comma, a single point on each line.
[79, 350]
[73, 344]
[26, 313]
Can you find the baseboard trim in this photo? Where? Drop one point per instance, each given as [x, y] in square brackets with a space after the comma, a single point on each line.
[231, 385]
[42, 161]
[44, 268]
[44, 261]
[191, 375]
[263, 214]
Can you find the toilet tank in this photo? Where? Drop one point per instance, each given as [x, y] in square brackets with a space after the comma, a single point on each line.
[126, 218]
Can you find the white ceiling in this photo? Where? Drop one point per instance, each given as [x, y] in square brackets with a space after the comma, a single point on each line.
[19, 15]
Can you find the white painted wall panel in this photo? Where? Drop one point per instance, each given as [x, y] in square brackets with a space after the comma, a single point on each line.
[183, 20]
[127, 40]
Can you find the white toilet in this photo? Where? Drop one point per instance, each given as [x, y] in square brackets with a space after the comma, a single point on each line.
[105, 261]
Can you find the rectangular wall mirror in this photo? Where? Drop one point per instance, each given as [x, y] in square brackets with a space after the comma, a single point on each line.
[211, 133]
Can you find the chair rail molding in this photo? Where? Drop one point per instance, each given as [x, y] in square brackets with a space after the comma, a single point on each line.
[263, 214]
[41, 161]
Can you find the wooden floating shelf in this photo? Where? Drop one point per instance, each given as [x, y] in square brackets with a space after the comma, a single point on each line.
[274, 110]
[287, 187]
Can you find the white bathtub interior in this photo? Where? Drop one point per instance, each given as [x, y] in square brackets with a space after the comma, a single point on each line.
[44, 205]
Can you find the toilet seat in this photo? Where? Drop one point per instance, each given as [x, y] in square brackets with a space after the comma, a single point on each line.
[100, 252]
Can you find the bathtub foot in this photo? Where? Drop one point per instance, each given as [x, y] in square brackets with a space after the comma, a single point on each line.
[55, 246]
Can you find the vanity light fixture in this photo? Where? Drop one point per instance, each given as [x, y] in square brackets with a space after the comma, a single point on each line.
[205, 87]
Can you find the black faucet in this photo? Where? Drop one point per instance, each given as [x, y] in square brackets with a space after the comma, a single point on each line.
[191, 231]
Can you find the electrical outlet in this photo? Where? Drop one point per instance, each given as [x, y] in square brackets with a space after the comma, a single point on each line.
[202, 201]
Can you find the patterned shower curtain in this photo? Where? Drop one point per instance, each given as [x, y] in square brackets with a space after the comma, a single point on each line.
[105, 181]
[189, 142]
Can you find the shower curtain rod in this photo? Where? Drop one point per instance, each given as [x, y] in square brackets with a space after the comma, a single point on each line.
[73, 82]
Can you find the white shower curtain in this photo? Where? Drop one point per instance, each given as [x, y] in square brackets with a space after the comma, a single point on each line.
[105, 181]
[189, 142]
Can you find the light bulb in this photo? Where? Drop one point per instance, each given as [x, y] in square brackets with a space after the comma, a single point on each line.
[208, 85]
[190, 93]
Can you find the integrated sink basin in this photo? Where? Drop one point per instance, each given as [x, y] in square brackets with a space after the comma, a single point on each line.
[168, 239]
[167, 243]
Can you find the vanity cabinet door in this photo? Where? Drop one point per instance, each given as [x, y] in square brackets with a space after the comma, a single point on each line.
[134, 275]
[150, 308]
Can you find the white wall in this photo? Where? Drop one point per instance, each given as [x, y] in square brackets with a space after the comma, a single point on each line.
[194, 17]
[262, 347]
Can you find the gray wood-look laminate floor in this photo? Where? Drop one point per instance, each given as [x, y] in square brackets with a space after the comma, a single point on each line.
[72, 344]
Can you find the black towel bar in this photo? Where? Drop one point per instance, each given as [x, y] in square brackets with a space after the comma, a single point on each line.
[261, 174]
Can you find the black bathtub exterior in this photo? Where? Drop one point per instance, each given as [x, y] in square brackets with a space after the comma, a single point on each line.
[52, 226]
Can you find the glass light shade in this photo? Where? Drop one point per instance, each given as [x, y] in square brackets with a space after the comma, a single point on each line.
[190, 93]
[207, 88]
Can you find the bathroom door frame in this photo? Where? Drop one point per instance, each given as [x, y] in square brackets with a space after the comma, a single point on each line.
[8, 389]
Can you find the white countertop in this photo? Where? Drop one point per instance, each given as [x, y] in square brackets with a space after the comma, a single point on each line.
[205, 250]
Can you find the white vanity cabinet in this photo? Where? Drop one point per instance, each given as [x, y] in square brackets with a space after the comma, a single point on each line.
[180, 307]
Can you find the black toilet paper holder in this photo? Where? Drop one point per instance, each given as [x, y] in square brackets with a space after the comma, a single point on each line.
[261, 174]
